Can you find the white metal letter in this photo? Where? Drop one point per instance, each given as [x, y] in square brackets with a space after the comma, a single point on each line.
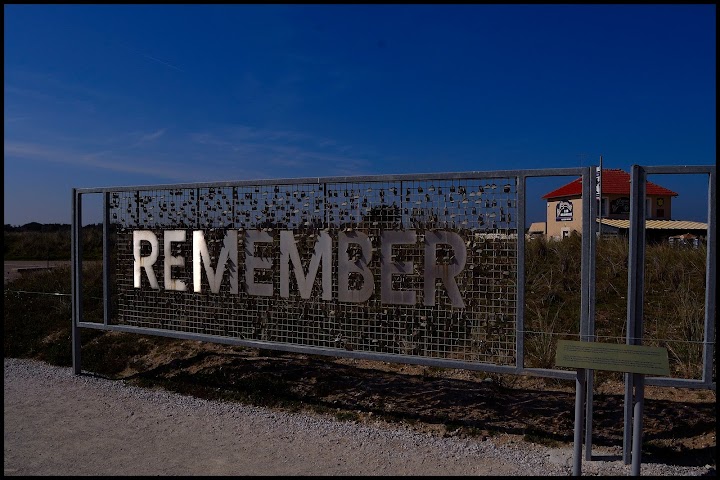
[145, 262]
[253, 263]
[201, 255]
[169, 237]
[288, 252]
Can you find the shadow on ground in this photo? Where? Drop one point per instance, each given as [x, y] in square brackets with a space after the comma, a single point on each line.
[674, 431]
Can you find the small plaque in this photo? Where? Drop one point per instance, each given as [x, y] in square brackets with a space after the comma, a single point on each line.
[610, 356]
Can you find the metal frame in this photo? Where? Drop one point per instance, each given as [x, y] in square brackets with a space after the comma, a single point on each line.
[634, 384]
[519, 175]
[636, 278]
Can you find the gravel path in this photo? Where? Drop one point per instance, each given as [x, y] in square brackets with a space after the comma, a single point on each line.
[57, 423]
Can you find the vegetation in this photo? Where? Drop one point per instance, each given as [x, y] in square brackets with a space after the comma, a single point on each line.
[673, 307]
[35, 241]
[38, 325]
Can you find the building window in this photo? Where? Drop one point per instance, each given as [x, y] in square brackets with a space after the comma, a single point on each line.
[661, 213]
[648, 208]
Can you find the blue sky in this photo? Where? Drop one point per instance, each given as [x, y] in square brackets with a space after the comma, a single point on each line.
[103, 95]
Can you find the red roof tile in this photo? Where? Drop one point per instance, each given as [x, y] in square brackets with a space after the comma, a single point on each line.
[614, 181]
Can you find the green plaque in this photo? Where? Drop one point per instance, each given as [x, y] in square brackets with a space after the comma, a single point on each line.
[610, 356]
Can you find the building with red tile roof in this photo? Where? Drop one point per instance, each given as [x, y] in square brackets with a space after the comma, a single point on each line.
[564, 206]
[614, 182]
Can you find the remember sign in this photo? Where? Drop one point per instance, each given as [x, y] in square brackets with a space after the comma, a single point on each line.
[433, 271]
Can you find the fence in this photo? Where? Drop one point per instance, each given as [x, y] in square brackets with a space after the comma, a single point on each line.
[422, 269]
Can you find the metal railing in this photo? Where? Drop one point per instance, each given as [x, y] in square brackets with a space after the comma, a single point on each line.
[423, 269]
[437, 261]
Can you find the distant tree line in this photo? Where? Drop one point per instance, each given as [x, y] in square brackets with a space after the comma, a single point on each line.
[49, 241]
[38, 227]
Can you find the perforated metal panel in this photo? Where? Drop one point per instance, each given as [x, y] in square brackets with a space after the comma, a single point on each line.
[447, 287]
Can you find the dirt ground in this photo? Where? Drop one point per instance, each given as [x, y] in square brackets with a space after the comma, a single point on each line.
[57, 423]
[679, 424]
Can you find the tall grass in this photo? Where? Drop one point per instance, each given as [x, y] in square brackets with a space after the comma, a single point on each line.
[38, 320]
[673, 307]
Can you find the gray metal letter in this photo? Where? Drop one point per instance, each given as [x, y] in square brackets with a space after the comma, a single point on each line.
[288, 252]
[253, 263]
[169, 237]
[145, 262]
[201, 255]
[388, 267]
[445, 272]
[359, 265]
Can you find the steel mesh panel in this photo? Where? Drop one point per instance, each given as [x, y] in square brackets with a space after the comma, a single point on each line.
[482, 213]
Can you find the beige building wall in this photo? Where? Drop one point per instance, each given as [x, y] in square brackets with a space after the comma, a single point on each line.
[660, 208]
[558, 229]
[657, 207]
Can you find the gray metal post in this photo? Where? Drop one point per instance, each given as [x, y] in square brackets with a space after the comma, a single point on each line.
[637, 422]
[627, 414]
[76, 284]
[106, 258]
[710, 283]
[520, 305]
[600, 199]
[583, 392]
[636, 287]
[579, 413]
[589, 242]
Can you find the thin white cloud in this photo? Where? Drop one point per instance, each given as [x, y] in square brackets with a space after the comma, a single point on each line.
[146, 138]
[13, 119]
[153, 136]
[163, 62]
[39, 96]
[105, 160]
[38, 84]
[209, 139]
[242, 153]
[291, 151]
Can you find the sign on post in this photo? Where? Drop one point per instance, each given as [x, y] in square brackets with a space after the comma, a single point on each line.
[613, 357]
